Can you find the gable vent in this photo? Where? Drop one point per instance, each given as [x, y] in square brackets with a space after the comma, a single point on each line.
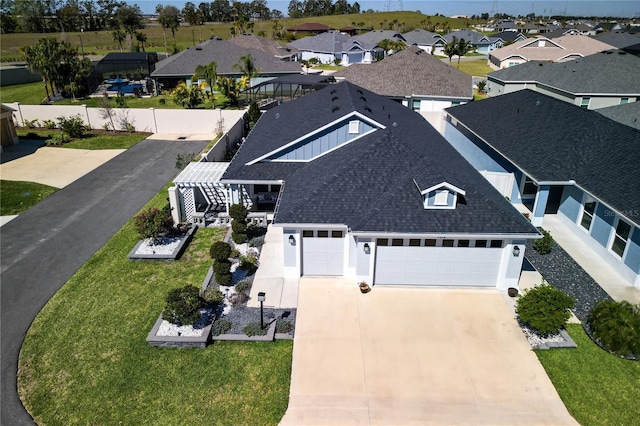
[335, 108]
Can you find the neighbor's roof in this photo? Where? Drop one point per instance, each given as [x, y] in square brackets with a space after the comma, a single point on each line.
[545, 49]
[627, 114]
[368, 184]
[422, 37]
[609, 72]
[376, 36]
[310, 26]
[225, 54]
[272, 47]
[618, 39]
[328, 42]
[468, 35]
[410, 72]
[508, 35]
[555, 141]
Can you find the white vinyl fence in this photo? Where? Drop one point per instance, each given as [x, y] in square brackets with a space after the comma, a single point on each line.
[173, 121]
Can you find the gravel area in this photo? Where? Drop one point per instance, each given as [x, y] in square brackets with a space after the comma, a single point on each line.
[165, 246]
[535, 340]
[169, 329]
[241, 316]
[560, 270]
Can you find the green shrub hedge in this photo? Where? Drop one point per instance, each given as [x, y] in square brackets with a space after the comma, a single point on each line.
[544, 308]
[616, 326]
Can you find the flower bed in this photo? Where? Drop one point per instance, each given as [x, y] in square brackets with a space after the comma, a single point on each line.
[167, 248]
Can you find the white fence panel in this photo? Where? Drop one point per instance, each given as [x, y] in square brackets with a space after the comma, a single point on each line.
[503, 182]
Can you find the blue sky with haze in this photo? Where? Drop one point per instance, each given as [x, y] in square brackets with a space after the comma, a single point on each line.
[626, 8]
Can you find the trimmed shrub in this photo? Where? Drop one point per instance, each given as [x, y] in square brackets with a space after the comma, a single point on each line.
[221, 266]
[249, 262]
[73, 126]
[212, 295]
[616, 326]
[238, 238]
[238, 227]
[544, 245]
[254, 329]
[183, 305]
[544, 308]
[152, 222]
[220, 250]
[221, 326]
[57, 140]
[243, 286]
[284, 326]
[223, 279]
[238, 212]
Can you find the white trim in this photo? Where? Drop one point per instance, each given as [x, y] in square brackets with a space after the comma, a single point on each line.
[319, 130]
[445, 184]
[585, 197]
[614, 234]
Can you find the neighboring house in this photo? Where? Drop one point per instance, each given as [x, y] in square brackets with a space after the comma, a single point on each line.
[627, 114]
[509, 36]
[432, 43]
[252, 41]
[367, 190]
[8, 135]
[419, 80]
[310, 28]
[596, 81]
[559, 159]
[482, 43]
[618, 39]
[181, 66]
[332, 45]
[560, 49]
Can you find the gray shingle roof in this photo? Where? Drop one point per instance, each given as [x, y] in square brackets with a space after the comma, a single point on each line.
[225, 54]
[605, 72]
[329, 42]
[552, 140]
[272, 47]
[618, 39]
[410, 72]
[376, 36]
[421, 37]
[628, 114]
[467, 35]
[368, 184]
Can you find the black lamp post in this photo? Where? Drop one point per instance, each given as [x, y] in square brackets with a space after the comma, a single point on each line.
[261, 297]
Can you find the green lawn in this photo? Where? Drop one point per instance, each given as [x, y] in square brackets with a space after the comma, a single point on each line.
[17, 196]
[28, 94]
[596, 387]
[85, 359]
[478, 68]
[94, 139]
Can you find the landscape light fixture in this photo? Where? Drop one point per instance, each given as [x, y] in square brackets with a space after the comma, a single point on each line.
[292, 240]
[367, 248]
[261, 297]
[516, 251]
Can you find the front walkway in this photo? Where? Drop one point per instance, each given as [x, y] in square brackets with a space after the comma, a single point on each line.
[604, 274]
[406, 355]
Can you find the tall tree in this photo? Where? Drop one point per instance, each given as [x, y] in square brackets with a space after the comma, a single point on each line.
[169, 18]
[295, 9]
[70, 16]
[221, 11]
[8, 22]
[463, 47]
[119, 36]
[205, 10]
[107, 13]
[451, 49]
[52, 60]
[208, 73]
[141, 38]
[129, 19]
[193, 16]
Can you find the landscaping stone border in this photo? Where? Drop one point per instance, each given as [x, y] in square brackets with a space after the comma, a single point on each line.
[568, 342]
[178, 341]
[173, 256]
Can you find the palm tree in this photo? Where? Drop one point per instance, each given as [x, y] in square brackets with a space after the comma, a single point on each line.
[463, 47]
[247, 67]
[142, 39]
[168, 17]
[119, 36]
[208, 73]
[451, 49]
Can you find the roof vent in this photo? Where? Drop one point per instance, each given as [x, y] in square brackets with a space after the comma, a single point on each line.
[334, 98]
[538, 102]
[395, 124]
[360, 91]
[277, 115]
[333, 91]
[335, 108]
[367, 109]
[363, 98]
[621, 52]
[198, 48]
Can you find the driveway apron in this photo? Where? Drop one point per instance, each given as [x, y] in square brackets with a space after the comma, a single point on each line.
[43, 247]
[399, 356]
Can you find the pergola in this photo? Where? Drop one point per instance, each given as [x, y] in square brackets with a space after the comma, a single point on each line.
[288, 87]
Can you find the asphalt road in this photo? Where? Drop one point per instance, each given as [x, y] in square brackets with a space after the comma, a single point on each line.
[43, 247]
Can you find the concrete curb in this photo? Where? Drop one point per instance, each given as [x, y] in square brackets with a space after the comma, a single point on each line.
[177, 341]
[568, 343]
[173, 256]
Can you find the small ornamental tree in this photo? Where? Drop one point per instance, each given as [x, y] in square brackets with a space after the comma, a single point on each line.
[544, 245]
[239, 213]
[616, 326]
[220, 252]
[545, 308]
[152, 222]
[183, 305]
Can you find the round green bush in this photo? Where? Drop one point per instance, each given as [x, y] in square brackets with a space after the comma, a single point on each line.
[238, 212]
[238, 238]
[223, 279]
[152, 222]
[221, 266]
[220, 250]
[221, 326]
[183, 305]
[544, 308]
[544, 245]
[243, 286]
[212, 295]
[616, 326]
[238, 227]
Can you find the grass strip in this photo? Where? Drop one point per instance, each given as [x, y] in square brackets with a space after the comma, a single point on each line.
[18, 196]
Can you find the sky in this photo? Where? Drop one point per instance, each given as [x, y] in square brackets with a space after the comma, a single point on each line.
[624, 8]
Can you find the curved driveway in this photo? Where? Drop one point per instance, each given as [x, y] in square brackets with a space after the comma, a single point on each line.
[43, 247]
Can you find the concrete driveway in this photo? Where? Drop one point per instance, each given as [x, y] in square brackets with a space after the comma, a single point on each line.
[400, 356]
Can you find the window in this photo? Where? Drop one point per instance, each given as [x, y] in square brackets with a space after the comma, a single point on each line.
[382, 242]
[481, 243]
[336, 234]
[512, 64]
[447, 243]
[307, 234]
[397, 242]
[587, 213]
[323, 234]
[529, 187]
[463, 243]
[584, 103]
[441, 197]
[354, 127]
[429, 243]
[624, 101]
[414, 242]
[415, 104]
[496, 243]
[260, 188]
[621, 237]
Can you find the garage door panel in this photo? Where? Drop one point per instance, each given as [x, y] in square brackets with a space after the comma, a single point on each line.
[322, 256]
[456, 266]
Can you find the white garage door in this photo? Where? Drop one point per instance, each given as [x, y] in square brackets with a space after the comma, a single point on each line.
[322, 252]
[446, 266]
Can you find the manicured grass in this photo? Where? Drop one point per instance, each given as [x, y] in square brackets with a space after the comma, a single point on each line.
[17, 196]
[477, 68]
[28, 94]
[327, 67]
[145, 102]
[85, 359]
[596, 387]
[94, 139]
